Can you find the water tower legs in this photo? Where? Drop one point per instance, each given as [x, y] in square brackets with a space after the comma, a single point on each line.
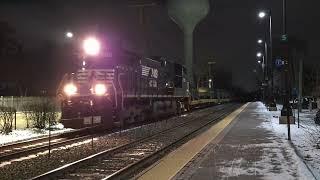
[188, 51]
[187, 14]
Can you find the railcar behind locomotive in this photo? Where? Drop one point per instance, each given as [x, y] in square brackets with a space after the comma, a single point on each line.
[115, 87]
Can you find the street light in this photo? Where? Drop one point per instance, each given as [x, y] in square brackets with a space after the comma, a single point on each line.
[264, 54]
[262, 14]
[259, 54]
[210, 84]
[69, 35]
[263, 63]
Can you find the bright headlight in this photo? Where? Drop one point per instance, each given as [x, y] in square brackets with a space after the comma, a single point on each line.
[91, 46]
[100, 89]
[70, 89]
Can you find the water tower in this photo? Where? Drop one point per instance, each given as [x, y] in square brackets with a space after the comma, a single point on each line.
[187, 14]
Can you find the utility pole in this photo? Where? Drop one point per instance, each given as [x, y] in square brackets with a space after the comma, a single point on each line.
[268, 54]
[284, 18]
[211, 76]
[271, 54]
[300, 89]
[287, 68]
[264, 69]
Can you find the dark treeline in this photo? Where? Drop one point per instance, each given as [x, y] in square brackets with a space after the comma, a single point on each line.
[31, 72]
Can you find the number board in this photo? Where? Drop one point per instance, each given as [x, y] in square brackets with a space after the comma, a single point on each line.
[85, 76]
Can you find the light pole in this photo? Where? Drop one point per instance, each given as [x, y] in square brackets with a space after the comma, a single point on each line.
[264, 59]
[263, 63]
[261, 55]
[284, 35]
[260, 41]
[211, 76]
[262, 15]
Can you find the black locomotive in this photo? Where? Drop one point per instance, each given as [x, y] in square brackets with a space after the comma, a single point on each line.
[116, 87]
[121, 88]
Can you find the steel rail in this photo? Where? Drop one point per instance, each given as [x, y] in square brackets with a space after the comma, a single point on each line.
[74, 165]
[19, 149]
[134, 167]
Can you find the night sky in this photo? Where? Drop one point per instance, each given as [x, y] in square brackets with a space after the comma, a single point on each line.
[228, 34]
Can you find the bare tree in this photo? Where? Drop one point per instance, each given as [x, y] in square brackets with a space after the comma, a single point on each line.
[6, 118]
[41, 113]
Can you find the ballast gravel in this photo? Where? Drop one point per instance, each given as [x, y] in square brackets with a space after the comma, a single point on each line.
[34, 165]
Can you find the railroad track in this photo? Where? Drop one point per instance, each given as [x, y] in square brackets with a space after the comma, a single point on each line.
[23, 148]
[120, 162]
[28, 147]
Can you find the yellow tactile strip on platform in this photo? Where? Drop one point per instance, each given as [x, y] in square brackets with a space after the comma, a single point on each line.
[172, 163]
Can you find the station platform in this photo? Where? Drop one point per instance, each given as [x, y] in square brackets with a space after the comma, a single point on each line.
[241, 146]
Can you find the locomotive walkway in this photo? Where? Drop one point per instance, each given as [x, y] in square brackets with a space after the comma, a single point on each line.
[244, 145]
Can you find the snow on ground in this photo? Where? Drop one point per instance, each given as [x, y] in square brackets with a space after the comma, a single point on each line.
[304, 139]
[277, 163]
[24, 134]
[269, 156]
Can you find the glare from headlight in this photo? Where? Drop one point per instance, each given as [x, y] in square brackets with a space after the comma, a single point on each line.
[70, 89]
[100, 89]
[91, 46]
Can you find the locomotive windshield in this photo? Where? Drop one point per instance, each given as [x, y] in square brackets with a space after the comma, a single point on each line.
[101, 63]
[108, 61]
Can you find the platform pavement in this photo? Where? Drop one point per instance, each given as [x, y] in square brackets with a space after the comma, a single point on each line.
[244, 150]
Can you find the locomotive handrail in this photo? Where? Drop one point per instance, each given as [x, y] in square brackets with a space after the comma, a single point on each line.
[120, 85]
[116, 94]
